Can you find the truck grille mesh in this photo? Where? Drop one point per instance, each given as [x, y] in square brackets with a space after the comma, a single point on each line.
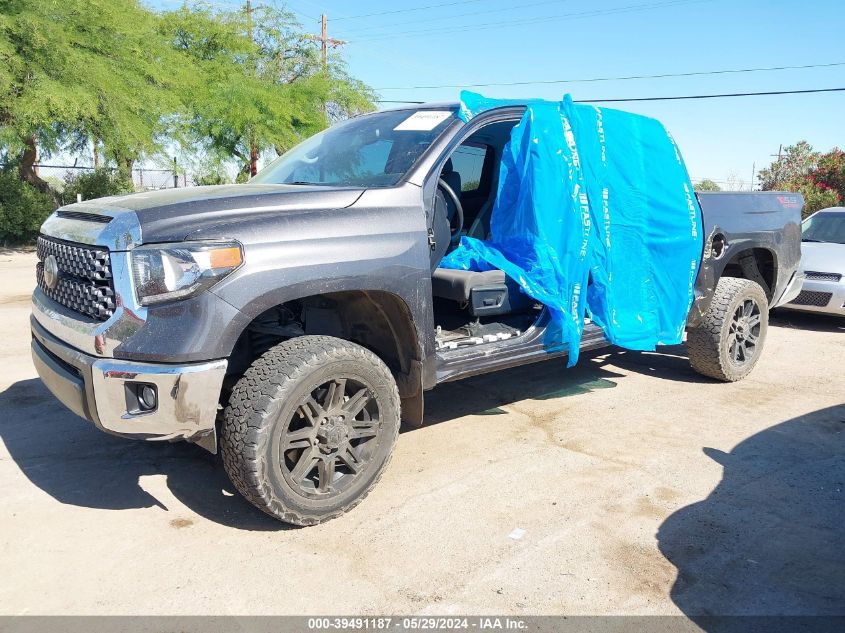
[811, 274]
[812, 298]
[85, 278]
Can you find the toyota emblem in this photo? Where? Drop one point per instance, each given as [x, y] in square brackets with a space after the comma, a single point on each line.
[51, 272]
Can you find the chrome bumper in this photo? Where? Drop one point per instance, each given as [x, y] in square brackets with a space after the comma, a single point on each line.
[101, 390]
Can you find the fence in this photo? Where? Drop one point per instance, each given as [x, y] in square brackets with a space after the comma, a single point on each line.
[143, 179]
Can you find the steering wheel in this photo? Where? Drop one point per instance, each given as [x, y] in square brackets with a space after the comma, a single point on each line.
[459, 210]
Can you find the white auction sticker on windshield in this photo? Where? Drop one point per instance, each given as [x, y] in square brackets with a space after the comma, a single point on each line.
[423, 121]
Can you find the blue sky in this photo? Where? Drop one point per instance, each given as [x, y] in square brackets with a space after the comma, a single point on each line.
[720, 138]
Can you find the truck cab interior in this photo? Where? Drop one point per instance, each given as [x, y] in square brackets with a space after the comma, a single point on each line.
[471, 307]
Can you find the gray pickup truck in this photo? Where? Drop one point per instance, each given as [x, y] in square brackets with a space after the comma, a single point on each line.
[297, 318]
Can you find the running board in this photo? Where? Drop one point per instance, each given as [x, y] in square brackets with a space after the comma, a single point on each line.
[454, 364]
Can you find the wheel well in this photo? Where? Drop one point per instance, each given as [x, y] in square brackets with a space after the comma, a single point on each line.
[380, 321]
[756, 264]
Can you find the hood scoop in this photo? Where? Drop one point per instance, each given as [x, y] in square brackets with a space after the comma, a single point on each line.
[84, 217]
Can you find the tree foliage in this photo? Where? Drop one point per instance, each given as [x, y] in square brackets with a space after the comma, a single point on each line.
[706, 185]
[74, 71]
[96, 184]
[795, 162]
[22, 209]
[819, 178]
[829, 173]
[262, 86]
[132, 82]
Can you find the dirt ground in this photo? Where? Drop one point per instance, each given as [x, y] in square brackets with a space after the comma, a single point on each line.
[641, 488]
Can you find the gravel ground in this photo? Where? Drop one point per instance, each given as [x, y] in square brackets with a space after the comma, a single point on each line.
[641, 488]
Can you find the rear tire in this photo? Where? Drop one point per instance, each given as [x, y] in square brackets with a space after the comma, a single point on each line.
[310, 428]
[727, 344]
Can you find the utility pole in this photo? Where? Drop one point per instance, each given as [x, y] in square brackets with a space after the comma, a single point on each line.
[253, 146]
[326, 41]
[779, 164]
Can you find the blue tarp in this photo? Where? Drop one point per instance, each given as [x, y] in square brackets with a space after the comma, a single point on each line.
[594, 215]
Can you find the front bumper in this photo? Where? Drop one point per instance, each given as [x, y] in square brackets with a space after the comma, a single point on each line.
[101, 391]
[814, 297]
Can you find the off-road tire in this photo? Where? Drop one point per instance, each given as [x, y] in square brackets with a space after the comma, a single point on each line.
[708, 344]
[264, 398]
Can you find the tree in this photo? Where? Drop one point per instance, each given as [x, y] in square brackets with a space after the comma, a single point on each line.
[819, 178]
[734, 181]
[95, 184]
[262, 88]
[22, 209]
[706, 185]
[795, 162]
[76, 70]
[817, 197]
[830, 171]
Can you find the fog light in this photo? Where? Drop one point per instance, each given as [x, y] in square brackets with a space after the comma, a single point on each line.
[147, 397]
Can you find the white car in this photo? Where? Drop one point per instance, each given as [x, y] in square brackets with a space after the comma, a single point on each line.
[822, 263]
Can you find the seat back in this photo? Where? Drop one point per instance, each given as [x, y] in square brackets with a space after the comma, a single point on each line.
[439, 229]
[443, 214]
[453, 179]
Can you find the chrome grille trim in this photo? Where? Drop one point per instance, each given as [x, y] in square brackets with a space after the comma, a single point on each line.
[85, 277]
[92, 336]
[79, 261]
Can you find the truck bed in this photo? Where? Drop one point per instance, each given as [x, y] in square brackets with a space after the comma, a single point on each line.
[765, 226]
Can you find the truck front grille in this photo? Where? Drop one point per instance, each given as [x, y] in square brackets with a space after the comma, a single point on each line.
[812, 274]
[84, 280]
[812, 298]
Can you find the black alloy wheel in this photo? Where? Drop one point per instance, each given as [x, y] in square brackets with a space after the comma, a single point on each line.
[329, 439]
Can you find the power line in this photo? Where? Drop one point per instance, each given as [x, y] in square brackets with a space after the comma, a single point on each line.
[519, 7]
[430, 6]
[622, 78]
[679, 98]
[713, 96]
[318, 7]
[552, 18]
[304, 15]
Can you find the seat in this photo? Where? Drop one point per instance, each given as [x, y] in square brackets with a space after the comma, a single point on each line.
[457, 285]
[453, 179]
[486, 293]
[443, 215]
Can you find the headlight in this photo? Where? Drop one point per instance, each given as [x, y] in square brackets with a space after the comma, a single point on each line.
[163, 272]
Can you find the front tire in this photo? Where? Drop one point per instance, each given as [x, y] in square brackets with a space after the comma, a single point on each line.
[310, 428]
[728, 342]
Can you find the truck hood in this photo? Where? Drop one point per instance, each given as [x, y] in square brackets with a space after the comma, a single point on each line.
[172, 214]
[823, 257]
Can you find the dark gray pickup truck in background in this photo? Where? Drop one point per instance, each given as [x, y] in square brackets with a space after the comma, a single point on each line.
[297, 318]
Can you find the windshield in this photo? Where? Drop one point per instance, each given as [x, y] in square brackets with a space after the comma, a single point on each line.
[825, 227]
[369, 151]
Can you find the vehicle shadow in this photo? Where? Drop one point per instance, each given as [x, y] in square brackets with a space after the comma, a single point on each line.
[77, 464]
[74, 463]
[485, 394]
[666, 363]
[815, 322]
[767, 540]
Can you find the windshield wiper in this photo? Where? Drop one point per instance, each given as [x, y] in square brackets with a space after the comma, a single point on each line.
[304, 182]
[810, 239]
